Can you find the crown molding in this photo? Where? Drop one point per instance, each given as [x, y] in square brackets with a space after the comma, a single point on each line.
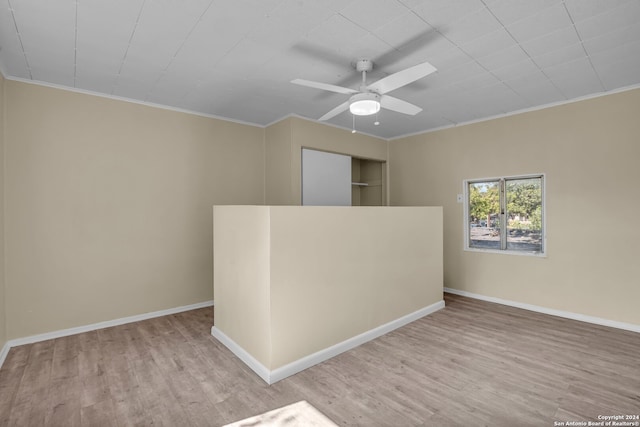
[521, 111]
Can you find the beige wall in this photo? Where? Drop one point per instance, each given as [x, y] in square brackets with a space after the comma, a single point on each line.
[3, 317]
[278, 151]
[341, 271]
[284, 142]
[589, 151]
[241, 275]
[108, 205]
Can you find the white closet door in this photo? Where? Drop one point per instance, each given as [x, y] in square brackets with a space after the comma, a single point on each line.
[326, 179]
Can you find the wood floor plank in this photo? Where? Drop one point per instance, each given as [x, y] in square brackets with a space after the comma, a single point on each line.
[125, 391]
[156, 396]
[100, 414]
[32, 397]
[472, 363]
[30, 407]
[9, 385]
[186, 368]
[64, 402]
[95, 389]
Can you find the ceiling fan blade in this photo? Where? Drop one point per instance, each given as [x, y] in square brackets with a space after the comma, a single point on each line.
[408, 47]
[402, 78]
[324, 86]
[339, 109]
[323, 54]
[395, 104]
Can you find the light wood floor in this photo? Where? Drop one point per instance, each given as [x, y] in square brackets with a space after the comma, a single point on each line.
[473, 363]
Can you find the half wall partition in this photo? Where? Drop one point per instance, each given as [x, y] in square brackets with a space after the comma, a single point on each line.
[296, 285]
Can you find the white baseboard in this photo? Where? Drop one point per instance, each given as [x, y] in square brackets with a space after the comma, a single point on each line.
[551, 311]
[243, 355]
[322, 355]
[95, 326]
[299, 365]
[4, 352]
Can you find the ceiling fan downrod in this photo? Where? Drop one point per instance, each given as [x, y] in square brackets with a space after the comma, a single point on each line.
[364, 65]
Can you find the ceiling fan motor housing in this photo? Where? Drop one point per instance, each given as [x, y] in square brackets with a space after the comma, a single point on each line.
[364, 65]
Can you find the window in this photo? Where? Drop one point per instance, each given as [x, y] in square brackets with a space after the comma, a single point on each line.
[505, 214]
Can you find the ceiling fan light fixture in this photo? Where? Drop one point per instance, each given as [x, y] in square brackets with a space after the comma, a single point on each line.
[364, 104]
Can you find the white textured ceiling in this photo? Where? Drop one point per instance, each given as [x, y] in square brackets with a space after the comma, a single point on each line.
[235, 58]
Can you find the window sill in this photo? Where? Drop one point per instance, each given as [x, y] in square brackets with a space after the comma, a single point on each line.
[507, 252]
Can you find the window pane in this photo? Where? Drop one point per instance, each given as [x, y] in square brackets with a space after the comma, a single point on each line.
[524, 214]
[484, 218]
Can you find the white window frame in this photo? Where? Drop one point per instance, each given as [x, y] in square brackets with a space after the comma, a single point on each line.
[503, 220]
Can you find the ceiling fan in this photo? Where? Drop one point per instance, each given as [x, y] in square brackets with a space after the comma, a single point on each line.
[370, 98]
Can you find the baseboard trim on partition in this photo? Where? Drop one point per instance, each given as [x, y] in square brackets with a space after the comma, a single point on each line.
[4, 353]
[253, 363]
[329, 352]
[95, 326]
[273, 376]
[551, 311]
